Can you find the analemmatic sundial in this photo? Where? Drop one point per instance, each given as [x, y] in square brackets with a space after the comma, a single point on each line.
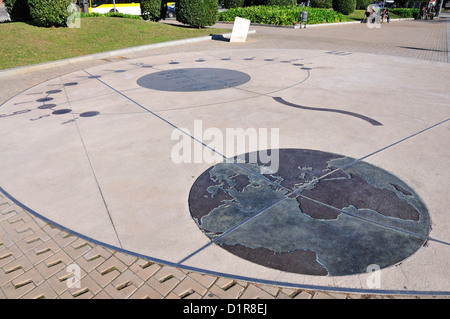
[93, 152]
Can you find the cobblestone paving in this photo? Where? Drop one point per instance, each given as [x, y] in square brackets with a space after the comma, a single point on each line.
[424, 40]
[34, 255]
[419, 39]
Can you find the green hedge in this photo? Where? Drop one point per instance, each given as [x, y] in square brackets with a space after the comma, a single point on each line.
[18, 10]
[344, 6]
[279, 2]
[362, 4]
[279, 15]
[411, 3]
[152, 10]
[43, 13]
[405, 12]
[248, 3]
[228, 4]
[197, 13]
[49, 13]
[324, 4]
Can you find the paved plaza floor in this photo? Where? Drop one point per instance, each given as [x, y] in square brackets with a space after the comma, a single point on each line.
[122, 168]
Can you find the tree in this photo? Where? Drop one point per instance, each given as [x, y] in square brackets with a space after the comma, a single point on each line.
[279, 2]
[45, 13]
[228, 4]
[344, 6]
[152, 10]
[325, 4]
[18, 10]
[362, 4]
[197, 13]
[49, 13]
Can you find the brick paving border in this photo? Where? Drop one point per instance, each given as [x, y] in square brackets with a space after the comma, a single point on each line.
[36, 258]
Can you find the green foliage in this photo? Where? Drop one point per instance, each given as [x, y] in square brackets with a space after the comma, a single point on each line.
[344, 6]
[228, 4]
[325, 4]
[413, 4]
[49, 13]
[248, 3]
[152, 10]
[279, 2]
[24, 44]
[197, 13]
[280, 15]
[362, 4]
[405, 12]
[18, 10]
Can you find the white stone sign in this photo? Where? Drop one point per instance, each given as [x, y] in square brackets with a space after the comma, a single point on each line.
[240, 30]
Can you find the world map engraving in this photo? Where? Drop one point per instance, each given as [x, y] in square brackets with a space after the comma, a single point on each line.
[310, 217]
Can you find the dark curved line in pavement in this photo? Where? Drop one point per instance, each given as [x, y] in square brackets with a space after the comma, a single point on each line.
[362, 117]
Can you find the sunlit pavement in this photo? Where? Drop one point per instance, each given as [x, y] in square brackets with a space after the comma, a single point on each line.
[91, 180]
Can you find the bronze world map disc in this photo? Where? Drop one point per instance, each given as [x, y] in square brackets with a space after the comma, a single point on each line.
[320, 214]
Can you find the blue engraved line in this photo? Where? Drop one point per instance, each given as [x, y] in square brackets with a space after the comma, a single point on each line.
[362, 117]
[234, 228]
[278, 90]
[187, 134]
[198, 141]
[220, 274]
[93, 171]
[375, 222]
[386, 147]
